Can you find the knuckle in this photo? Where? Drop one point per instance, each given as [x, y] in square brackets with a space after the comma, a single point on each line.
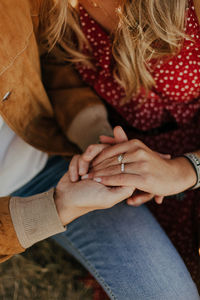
[140, 153]
[136, 142]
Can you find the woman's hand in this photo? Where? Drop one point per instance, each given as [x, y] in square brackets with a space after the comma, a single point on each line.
[145, 169]
[120, 137]
[76, 199]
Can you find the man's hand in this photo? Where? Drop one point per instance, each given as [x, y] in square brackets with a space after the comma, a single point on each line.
[80, 164]
[76, 199]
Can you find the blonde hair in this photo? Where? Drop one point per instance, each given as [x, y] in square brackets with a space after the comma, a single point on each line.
[147, 29]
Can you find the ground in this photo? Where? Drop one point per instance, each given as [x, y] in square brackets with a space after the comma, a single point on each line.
[44, 272]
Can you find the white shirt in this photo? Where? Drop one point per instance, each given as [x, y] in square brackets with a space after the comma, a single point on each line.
[19, 162]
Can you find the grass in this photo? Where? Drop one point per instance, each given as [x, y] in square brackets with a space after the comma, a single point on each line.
[44, 272]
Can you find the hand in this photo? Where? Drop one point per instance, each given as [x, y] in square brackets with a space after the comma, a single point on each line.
[80, 164]
[145, 169]
[119, 137]
[76, 199]
[139, 197]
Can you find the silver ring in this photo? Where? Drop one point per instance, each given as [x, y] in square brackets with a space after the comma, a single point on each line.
[120, 158]
[122, 167]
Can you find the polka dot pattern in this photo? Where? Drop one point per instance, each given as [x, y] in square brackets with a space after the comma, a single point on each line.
[177, 80]
[175, 98]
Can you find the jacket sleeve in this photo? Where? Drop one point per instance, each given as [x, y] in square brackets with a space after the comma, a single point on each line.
[77, 107]
[9, 243]
[26, 221]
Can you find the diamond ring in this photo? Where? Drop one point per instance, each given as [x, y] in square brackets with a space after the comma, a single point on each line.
[120, 158]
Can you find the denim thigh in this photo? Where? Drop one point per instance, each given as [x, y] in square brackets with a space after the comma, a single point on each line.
[123, 247]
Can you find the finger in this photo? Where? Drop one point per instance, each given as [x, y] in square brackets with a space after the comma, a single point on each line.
[132, 168]
[92, 151]
[130, 157]
[107, 140]
[140, 199]
[118, 149]
[120, 135]
[105, 164]
[83, 166]
[127, 158]
[131, 180]
[166, 156]
[73, 168]
[159, 199]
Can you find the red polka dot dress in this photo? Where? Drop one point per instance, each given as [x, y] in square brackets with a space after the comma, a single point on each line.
[167, 120]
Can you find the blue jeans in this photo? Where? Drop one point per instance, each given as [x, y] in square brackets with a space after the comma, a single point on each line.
[124, 247]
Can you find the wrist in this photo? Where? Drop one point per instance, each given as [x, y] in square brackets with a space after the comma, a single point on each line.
[60, 207]
[67, 210]
[185, 173]
[194, 160]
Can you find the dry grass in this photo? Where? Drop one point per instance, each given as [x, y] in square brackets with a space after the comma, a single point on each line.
[44, 272]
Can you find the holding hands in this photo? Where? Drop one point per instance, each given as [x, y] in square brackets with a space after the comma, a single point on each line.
[119, 162]
[74, 198]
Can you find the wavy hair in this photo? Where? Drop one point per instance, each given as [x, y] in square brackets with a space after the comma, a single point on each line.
[147, 29]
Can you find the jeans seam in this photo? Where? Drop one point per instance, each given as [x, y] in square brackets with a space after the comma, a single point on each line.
[107, 288]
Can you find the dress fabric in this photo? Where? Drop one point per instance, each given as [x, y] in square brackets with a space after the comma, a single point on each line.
[167, 119]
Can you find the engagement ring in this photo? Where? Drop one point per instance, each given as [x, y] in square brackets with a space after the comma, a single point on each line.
[120, 158]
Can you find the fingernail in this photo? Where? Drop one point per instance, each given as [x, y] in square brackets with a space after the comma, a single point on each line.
[97, 179]
[85, 177]
[81, 171]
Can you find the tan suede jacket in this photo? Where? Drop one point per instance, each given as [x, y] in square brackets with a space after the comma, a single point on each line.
[45, 122]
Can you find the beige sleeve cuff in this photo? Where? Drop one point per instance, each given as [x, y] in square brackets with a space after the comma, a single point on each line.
[88, 125]
[35, 218]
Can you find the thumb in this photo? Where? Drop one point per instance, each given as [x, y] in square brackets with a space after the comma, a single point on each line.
[120, 135]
